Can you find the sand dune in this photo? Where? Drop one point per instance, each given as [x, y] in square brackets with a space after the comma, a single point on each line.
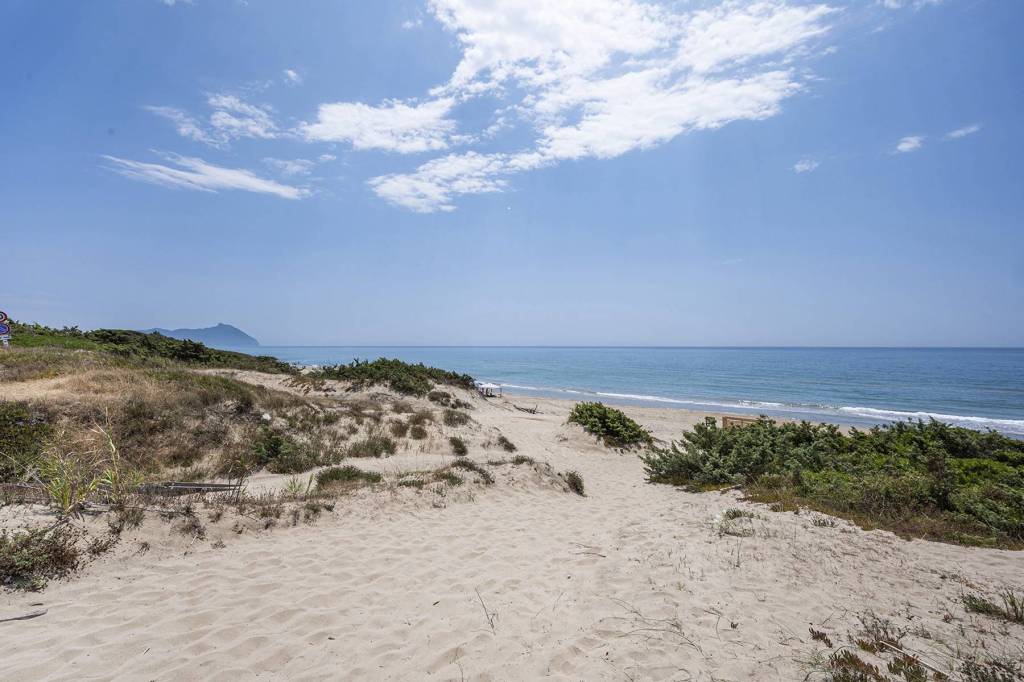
[515, 581]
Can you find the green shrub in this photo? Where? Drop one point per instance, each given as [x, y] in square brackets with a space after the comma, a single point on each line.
[29, 558]
[459, 448]
[470, 465]
[22, 437]
[455, 418]
[522, 459]
[280, 453]
[402, 377]
[610, 425]
[575, 482]
[346, 474]
[506, 444]
[374, 445]
[921, 479]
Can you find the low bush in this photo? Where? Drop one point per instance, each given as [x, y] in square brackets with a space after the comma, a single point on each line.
[459, 448]
[29, 558]
[399, 429]
[455, 418]
[575, 482]
[506, 445]
[522, 459]
[346, 475]
[374, 445]
[610, 425]
[399, 376]
[417, 432]
[469, 465]
[280, 453]
[919, 479]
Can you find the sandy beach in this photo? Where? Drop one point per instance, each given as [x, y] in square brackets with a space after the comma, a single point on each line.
[518, 580]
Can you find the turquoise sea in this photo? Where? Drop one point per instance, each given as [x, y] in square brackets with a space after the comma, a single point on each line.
[974, 387]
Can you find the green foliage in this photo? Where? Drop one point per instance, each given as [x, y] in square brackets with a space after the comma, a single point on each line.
[1012, 608]
[459, 448]
[280, 453]
[399, 376]
[374, 445]
[922, 479]
[455, 418]
[29, 558]
[346, 475]
[575, 482]
[609, 424]
[22, 437]
[137, 346]
[469, 465]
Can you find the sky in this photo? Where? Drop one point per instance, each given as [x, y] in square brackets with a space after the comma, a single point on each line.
[511, 172]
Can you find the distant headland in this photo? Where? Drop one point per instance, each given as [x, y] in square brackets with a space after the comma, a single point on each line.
[217, 336]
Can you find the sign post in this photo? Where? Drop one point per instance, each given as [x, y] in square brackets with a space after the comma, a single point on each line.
[5, 331]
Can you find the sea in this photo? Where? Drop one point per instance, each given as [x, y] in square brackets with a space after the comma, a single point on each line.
[980, 388]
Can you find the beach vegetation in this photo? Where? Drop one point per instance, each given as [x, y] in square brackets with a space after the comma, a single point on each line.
[347, 475]
[401, 377]
[29, 558]
[610, 425]
[919, 479]
[458, 445]
[522, 459]
[469, 465]
[280, 453]
[1010, 609]
[417, 432]
[455, 418]
[375, 444]
[23, 436]
[448, 477]
[505, 444]
[574, 480]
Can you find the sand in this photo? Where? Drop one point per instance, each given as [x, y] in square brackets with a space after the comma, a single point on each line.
[519, 580]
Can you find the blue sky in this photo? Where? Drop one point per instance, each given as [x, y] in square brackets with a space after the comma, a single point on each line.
[597, 172]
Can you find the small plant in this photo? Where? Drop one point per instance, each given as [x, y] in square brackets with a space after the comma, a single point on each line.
[399, 429]
[819, 636]
[346, 475]
[420, 418]
[192, 527]
[280, 453]
[295, 487]
[459, 448]
[610, 425]
[735, 513]
[1012, 608]
[443, 398]
[522, 459]
[417, 432]
[67, 482]
[823, 521]
[374, 445]
[29, 558]
[506, 445]
[455, 418]
[575, 483]
[411, 483]
[447, 477]
[470, 465]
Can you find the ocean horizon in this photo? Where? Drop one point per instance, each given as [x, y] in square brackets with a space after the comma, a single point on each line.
[975, 387]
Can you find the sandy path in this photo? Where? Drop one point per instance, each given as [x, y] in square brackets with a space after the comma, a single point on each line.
[631, 582]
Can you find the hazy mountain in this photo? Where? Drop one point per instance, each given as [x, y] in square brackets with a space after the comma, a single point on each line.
[220, 336]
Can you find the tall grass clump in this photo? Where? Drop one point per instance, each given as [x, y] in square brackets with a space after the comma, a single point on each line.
[23, 436]
[373, 445]
[920, 479]
[401, 377]
[610, 425]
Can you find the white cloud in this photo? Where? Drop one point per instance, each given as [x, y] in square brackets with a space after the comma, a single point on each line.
[805, 166]
[292, 77]
[291, 167]
[410, 24]
[910, 143]
[962, 132]
[394, 126]
[172, 3]
[185, 125]
[232, 118]
[597, 79]
[196, 174]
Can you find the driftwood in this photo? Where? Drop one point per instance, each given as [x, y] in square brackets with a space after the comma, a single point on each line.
[531, 410]
[28, 616]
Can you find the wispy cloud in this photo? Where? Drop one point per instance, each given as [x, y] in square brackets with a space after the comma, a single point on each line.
[231, 118]
[292, 77]
[196, 174]
[592, 78]
[900, 4]
[394, 126]
[805, 166]
[962, 132]
[908, 144]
